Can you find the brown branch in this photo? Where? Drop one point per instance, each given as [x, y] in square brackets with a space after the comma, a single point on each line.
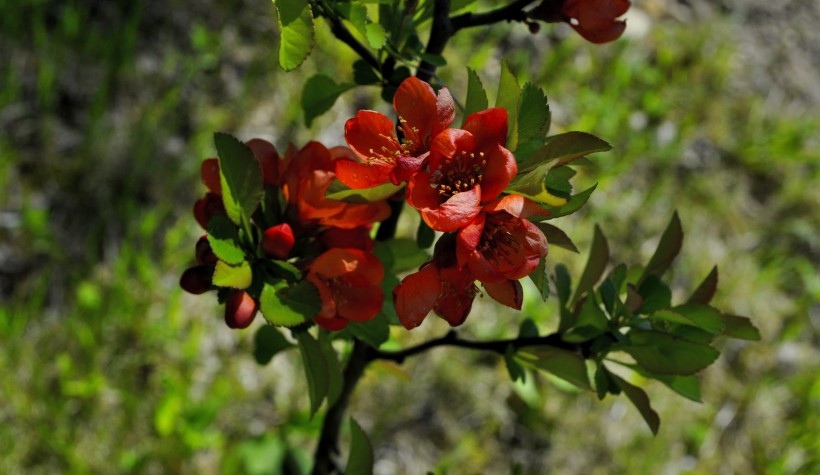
[512, 12]
[440, 34]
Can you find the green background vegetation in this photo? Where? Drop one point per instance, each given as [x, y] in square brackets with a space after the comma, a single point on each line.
[107, 109]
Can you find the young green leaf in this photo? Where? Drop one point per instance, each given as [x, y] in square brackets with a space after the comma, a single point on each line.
[476, 97]
[591, 322]
[509, 97]
[296, 32]
[668, 248]
[356, 13]
[513, 367]
[641, 401]
[534, 113]
[360, 461]
[663, 353]
[565, 364]
[540, 278]
[363, 73]
[699, 316]
[563, 284]
[424, 235]
[319, 94]
[316, 370]
[533, 185]
[706, 290]
[339, 191]
[655, 295]
[604, 383]
[236, 277]
[267, 342]
[740, 327]
[289, 305]
[334, 369]
[403, 254]
[598, 259]
[528, 329]
[222, 237]
[557, 237]
[374, 332]
[563, 149]
[686, 386]
[574, 204]
[240, 176]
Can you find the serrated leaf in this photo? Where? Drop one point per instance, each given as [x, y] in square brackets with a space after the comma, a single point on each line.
[533, 114]
[222, 238]
[563, 149]
[375, 35]
[316, 371]
[240, 176]
[267, 342]
[655, 295]
[557, 237]
[283, 270]
[591, 322]
[509, 97]
[334, 369]
[360, 461]
[513, 367]
[663, 353]
[319, 94]
[596, 264]
[425, 235]
[476, 96]
[641, 402]
[289, 305]
[706, 290]
[339, 191]
[356, 14]
[668, 248]
[296, 32]
[374, 332]
[235, 277]
[740, 327]
[574, 204]
[565, 364]
[540, 278]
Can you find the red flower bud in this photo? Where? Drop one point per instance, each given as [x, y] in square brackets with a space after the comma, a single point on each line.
[278, 241]
[210, 175]
[240, 309]
[204, 253]
[208, 206]
[197, 280]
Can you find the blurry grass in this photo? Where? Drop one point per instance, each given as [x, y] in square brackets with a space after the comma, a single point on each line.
[110, 368]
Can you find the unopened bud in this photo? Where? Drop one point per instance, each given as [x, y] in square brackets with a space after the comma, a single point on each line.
[278, 241]
[240, 309]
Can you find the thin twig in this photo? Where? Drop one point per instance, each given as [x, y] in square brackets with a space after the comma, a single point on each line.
[341, 32]
[512, 12]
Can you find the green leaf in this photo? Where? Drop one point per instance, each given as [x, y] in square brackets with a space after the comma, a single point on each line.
[402, 254]
[334, 369]
[668, 248]
[363, 73]
[316, 370]
[540, 278]
[590, 323]
[289, 305]
[574, 204]
[699, 316]
[609, 295]
[641, 401]
[319, 94]
[283, 270]
[434, 59]
[339, 191]
[267, 342]
[374, 332]
[563, 283]
[563, 149]
[296, 32]
[509, 97]
[663, 353]
[513, 367]
[356, 13]
[534, 113]
[706, 290]
[604, 383]
[528, 329]
[655, 295]
[236, 277]
[544, 186]
[424, 235]
[241, 178]
[686, 386]
[598, 259]
[740, 327]
[222, 237]
[476, 97]
[360, 461]
[565, 364]
[557, 237]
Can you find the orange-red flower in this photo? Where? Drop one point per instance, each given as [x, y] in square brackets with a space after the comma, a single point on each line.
[465, 168]
[500, 244]
[349, 283]
[309, 174]
[596, 20]
[371, 135]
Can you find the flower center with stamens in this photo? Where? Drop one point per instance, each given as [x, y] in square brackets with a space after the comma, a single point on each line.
[498, 241]
[459, 173]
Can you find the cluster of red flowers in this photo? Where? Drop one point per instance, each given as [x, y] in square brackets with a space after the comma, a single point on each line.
[328, 240]
[455, 178]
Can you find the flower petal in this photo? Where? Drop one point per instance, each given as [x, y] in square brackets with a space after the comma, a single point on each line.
[446, 144]
[454, 213]
[457, 294]
[488, 126]
[499, 171]
[516, 205]
[468, 239]
[358, 175]
[371, 134]
[508, 292]
[359, 304]
[406, 167]
[416, 295]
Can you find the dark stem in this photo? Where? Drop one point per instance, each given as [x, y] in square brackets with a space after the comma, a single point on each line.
[341, 32]
[497, 346]
[328, 446]
[440, 33]
[512, 12]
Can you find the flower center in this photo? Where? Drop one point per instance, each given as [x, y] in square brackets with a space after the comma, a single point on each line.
[459, 173]
[498, 241]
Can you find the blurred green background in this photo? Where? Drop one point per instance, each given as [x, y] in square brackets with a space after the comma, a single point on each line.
[108, 107]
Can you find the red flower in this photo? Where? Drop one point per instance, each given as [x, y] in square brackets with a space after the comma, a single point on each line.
[441, 287]
[273, 166]
[596, 20]
[465, 168]
[210, 175]
[309, 174]
[500, 244]
[349, 283]
[207, 207]
[278, 241]
[357, 238]
[371, 135]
